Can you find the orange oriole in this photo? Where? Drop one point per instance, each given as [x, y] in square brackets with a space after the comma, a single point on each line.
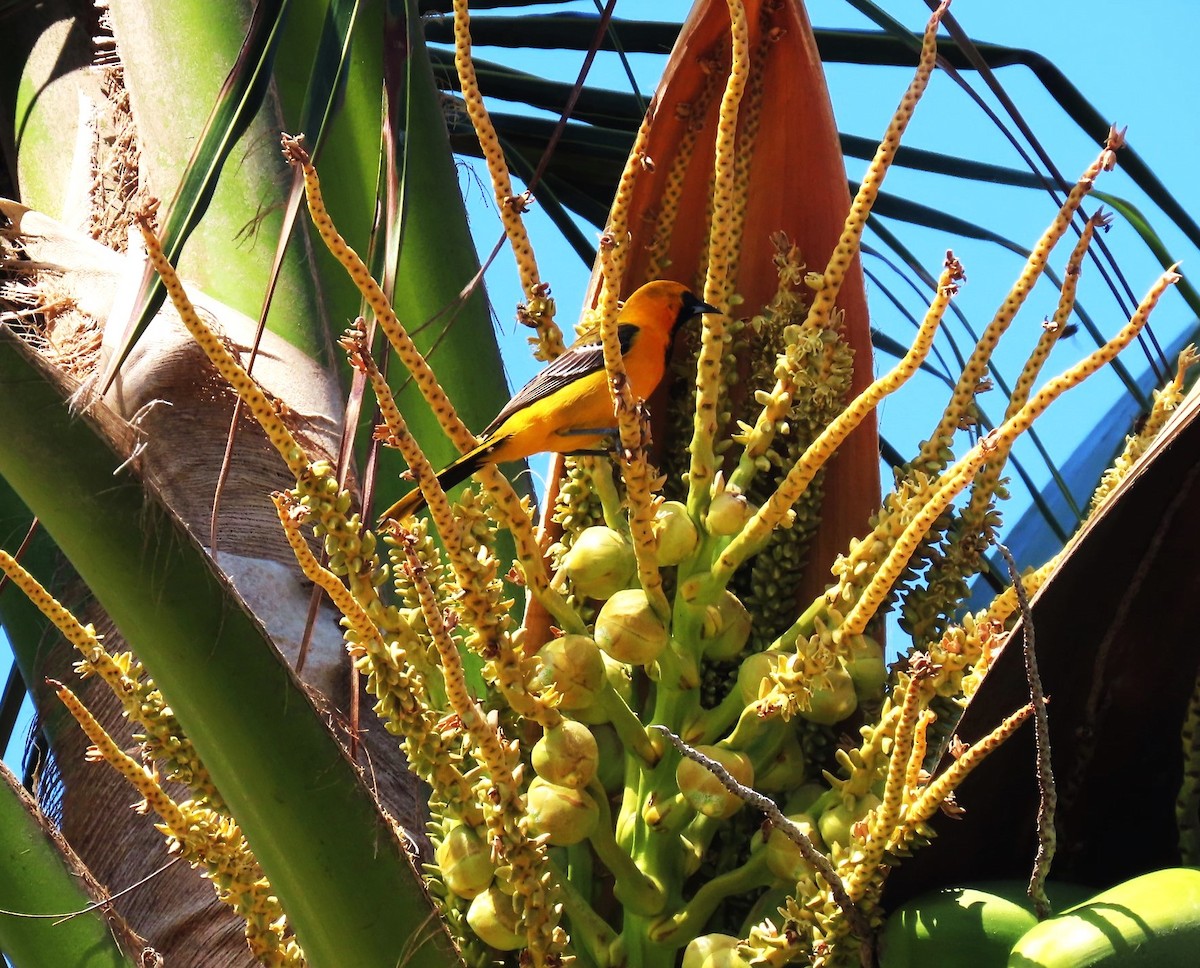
[567, 407]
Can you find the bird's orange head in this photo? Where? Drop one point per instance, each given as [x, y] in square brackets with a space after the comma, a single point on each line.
[663, 306]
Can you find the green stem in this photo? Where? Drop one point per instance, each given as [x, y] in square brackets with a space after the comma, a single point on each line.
[600, 471]
[591, 935]
[803, 627]
[629, 728]
[759, 738]
[711, 724]
[636, 890]
[689, 921]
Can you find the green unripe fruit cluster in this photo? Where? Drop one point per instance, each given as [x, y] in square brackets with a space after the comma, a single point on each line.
[752, 672]
[866, 667]
[836, 822]
[832, 703]
[786, 770]
[494, 920]
[726, 628]
[713, 951]
[784, 859]
[728, 512]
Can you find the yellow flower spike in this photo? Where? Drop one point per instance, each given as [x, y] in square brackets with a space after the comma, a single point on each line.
[261, 407]
[1053, 328]
[750, 116]
[1051, 331]
[976, 368]
[292, 515]
[504, 806]
[401, 342]
[1017, 424]
[1005, 605]
[847, 247]
[140, 777]
[353, 342]
[509, 512]
[630, 418]
[927, 607]
[476, 602]
[865, 766]
[204, 839]
[141, 700]
[83, 637]
[538, 309]
[914, 776]
[884, 819]
[941, 787]
[953, 483]
[672, 193]
[773, 512]
[1165, 400]
[728, 205]
[718, 284]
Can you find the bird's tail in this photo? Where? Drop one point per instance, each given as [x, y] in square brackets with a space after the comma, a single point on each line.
[456, 473]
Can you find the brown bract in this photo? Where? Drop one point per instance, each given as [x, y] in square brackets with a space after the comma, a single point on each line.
[793, 179]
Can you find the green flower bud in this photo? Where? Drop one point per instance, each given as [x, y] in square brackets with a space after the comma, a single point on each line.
[804, 798]
[567, 754]
[628, 630]
[492, 917]
[465, 862]
[787, 770]
[834, 703]
[620, 678]
[784, 859]
[752, 671]
[713, 951]
[726, 628]
[574, 666]
[728, 512]
[836, 823]
[567, 816]
[676, 532]
[600, 562]
[866, 667]
[704, 791]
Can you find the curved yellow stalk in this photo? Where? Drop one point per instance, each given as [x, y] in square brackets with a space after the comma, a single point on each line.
[509, 512]
[975, 370]
[261, 407]
[717, 283]
[538, 310]
[500, 794]
[774, 512]
[631, 456]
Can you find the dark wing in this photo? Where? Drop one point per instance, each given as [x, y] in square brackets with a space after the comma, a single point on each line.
[580, 360]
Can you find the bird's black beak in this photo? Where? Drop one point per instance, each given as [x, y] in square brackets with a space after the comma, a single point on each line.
[694, 306]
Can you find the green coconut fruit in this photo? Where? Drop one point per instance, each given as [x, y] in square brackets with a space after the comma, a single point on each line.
[567, 755]
[628, 630]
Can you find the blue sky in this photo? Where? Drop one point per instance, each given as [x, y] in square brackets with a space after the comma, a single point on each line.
[1139, 72]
